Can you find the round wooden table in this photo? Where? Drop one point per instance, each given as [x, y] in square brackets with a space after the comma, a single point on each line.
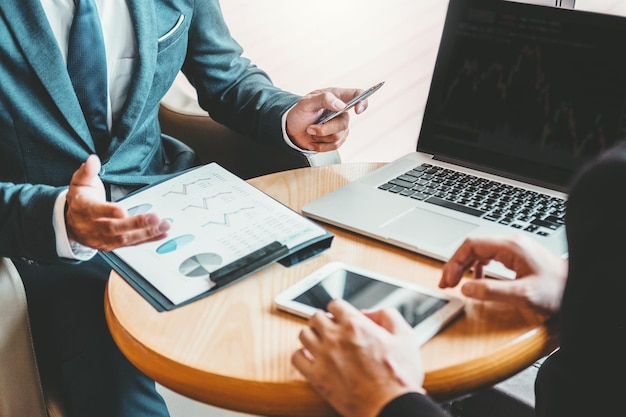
[233, 348]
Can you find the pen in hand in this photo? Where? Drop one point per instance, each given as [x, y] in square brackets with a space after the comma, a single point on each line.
[329, 115]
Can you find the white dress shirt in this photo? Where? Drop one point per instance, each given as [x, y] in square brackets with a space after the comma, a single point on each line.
[119, 41]
[121, 53]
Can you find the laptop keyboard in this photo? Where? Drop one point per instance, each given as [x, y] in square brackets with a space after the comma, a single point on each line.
[491, 200]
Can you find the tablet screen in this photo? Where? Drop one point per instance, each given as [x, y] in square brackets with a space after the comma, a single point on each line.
[365, 293]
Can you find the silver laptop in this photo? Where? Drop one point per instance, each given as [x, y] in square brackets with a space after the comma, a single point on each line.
[522, 96]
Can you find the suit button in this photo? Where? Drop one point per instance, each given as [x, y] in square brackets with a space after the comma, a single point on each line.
[102, 171]
[29, 261]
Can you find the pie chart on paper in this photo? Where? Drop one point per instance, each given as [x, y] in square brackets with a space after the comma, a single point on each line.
[200, 265]
[173, 244]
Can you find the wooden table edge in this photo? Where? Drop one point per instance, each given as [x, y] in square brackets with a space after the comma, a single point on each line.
[286, 398]
[290, 398]
[487, 371]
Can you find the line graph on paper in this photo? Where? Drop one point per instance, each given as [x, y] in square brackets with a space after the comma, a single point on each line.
[209, 198]
[227, 217]
[206, 201]
[216, 218]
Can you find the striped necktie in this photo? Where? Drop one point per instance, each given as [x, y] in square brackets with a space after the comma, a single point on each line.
[86, 65]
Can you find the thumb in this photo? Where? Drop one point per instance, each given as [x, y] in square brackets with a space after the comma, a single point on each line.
[389, 319]
[87, 173]
[493, 290]
[326, 100]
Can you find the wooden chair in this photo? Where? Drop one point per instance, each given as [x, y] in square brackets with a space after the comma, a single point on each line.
[240, 155]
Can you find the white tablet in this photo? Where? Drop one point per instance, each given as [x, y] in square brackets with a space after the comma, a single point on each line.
[427, 310]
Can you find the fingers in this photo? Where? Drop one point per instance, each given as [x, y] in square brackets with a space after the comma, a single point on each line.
[492, 289]
[311, 340]
[303, 362]
[331, 135]
[347, 94]
[389, 319]
[323, 138]
[328, 100]
[323, 132]
[103, 229]
[322, 326]
[540, 275]
[342, 310]
[94, 222]
[303, 129]
[457, 265]
[477, 252]
[335, 99]
[133, 230]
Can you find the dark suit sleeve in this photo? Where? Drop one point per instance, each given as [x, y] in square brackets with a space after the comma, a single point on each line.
[586, 376]
[26, 229]
[235, 92]
[412, 404]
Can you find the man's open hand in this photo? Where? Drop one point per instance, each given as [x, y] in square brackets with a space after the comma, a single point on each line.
[94, 222]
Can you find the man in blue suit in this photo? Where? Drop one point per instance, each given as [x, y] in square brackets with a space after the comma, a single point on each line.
[56, 184]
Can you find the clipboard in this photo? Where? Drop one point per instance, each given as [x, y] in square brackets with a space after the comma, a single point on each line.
[223, 229]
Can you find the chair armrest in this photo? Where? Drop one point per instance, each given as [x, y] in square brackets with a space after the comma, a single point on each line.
[20, 386]
[25, 389]
[214, 142]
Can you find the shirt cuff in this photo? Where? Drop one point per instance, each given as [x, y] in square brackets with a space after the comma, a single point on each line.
[288, 141]
[66, 248]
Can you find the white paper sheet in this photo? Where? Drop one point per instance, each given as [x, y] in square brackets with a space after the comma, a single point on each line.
[216, 218]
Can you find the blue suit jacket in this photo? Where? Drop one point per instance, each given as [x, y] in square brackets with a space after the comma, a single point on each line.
[43, 134]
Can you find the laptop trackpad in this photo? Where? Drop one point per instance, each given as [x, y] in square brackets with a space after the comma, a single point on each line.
[419, 225]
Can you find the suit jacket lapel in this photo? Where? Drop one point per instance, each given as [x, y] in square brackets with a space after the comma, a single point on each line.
[29, 23]
[143, 16]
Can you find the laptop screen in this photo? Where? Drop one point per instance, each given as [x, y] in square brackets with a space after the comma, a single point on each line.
[530, 92]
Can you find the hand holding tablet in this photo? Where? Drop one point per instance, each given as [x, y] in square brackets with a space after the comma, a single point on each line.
[426, 310]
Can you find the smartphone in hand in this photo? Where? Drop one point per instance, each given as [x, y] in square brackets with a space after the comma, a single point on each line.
[329, 115]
